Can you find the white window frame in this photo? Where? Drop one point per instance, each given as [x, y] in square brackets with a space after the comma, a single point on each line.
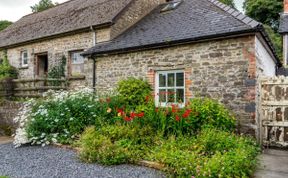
[23, 58]
[157, 88]
[71, 56]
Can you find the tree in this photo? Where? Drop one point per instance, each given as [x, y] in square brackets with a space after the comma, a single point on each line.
[228, 2]
[276, 39]
[43, 5]
[4, 24]
[265, 11]
[268, 13]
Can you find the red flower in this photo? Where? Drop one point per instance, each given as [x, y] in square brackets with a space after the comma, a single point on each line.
[177, 118]
[120, 112]
[141, 114]
[186, 113]
[128, 119]
[133, 115]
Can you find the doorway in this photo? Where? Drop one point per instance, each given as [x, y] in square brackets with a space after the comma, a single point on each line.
[42, 65]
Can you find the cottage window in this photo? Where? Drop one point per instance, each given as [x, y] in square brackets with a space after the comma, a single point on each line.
[77, 63]
[24, 59]
[170, 88]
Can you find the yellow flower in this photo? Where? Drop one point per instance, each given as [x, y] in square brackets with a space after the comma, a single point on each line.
[109, 110]
[119, 114]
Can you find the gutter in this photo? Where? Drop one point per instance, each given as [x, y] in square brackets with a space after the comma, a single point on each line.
[258, 28]
[169, 44]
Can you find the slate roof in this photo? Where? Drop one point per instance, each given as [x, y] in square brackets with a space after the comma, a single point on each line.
[66, 17]
[192, 20]
[283, 28]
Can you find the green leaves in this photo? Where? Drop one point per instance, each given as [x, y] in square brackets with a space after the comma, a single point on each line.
[42, 5]
[265, 11]
[4, 24]
[134, 91]
[228, 2]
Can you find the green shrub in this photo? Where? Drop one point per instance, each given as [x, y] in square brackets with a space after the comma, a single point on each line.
[210, 112]
[212, 153]
[134, 91]
[6, 70]
[114, 144]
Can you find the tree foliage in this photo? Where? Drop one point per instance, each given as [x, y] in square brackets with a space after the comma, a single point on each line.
[268, 13]
[276, 39]
[43, 5]
[4, 24]
[265, 11]
[228, 2]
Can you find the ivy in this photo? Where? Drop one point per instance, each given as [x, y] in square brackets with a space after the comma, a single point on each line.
[58, 72]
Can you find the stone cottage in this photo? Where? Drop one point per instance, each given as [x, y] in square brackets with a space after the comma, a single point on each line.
[184, 48]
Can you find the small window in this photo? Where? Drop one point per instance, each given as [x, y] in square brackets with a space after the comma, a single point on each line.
[171, 5]
[77, 58]
[24, 59]
[77, 63]
[170, 88]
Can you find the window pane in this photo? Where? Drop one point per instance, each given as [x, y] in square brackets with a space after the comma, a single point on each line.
[180, 95]
[162, 80]
[25, 61]
[180, 79]
[162, 96]
[25, 55]
[171, 96]
[171, 80]
[77, 58]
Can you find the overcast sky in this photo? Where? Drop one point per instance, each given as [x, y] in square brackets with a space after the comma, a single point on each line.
[13, 10]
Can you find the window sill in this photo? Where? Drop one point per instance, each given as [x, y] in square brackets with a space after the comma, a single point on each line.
[23, 67]
[80, 77]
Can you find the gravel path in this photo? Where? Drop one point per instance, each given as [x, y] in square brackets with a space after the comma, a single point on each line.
[50, 162]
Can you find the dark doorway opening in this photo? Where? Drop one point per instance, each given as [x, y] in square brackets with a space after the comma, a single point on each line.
[42, 67]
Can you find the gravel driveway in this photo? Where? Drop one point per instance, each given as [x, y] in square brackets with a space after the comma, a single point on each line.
[50, 162]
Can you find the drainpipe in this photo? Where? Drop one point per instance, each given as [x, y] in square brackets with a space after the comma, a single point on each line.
[94, 59]
[94, 73]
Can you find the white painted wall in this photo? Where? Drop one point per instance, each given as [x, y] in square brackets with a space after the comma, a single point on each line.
[265, 63]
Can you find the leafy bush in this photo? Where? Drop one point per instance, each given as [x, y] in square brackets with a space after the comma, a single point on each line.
[134, 91]
[6, 70]
[114, 144]
[212, 153]
[210, 112]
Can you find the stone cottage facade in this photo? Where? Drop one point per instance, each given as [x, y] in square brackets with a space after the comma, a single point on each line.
[183, 48]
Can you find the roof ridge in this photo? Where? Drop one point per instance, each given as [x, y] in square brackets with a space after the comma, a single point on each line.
[236, 14]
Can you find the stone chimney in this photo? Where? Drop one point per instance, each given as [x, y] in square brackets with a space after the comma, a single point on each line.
[133, 13]
[286, 6]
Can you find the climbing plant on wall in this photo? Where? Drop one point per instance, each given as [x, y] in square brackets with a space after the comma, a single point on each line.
[58, 71]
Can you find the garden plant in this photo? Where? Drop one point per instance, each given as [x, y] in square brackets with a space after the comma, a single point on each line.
[196, 140]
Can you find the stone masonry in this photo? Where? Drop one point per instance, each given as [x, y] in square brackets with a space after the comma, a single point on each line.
[8, 111]
[220, 69]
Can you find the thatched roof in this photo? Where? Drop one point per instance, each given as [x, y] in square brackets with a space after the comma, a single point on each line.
[67, 17]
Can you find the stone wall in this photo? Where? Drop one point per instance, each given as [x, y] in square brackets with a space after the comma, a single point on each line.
[8, 111]
[55, 48]
[223, 69]
[134, 12]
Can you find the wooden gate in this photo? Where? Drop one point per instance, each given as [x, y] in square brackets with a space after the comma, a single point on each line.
[274, 111]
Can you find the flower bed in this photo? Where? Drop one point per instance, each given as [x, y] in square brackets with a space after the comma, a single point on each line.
[196, 140]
